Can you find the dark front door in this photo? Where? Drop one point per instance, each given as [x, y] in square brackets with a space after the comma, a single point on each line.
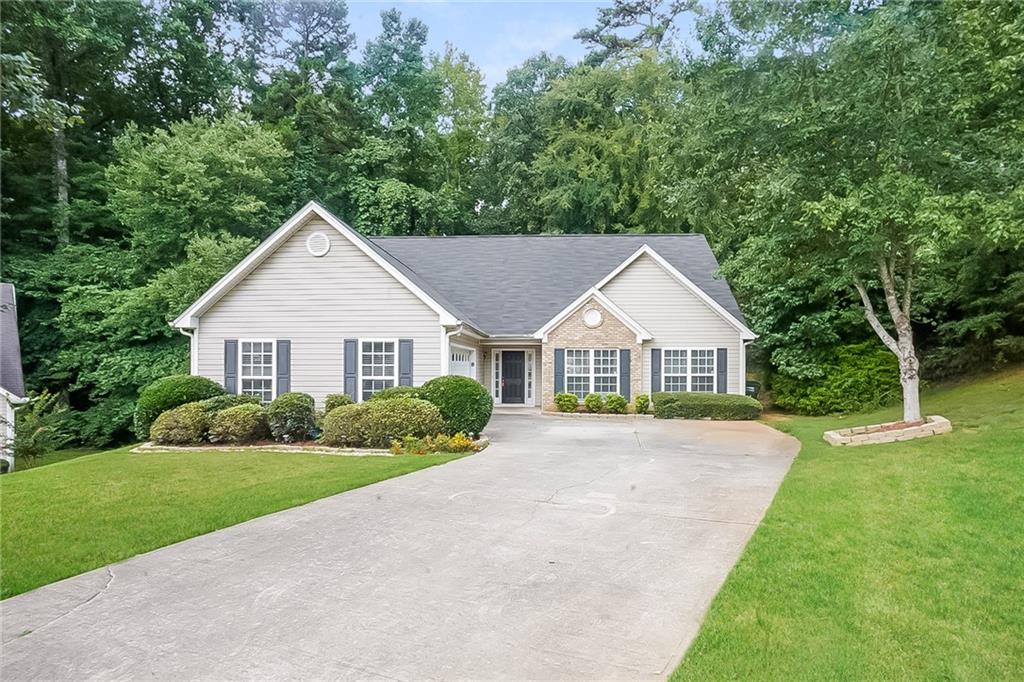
[513, 373]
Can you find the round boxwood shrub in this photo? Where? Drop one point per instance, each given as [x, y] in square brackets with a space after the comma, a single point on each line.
[168, 392]
[376, 424]
[464, 403]
[222, 402]
[566, 402]
[240, 424]
[334, 400]
[615, 403]
[291, 417]
[343, 426]
[593, 402]
[397, 392]
[642, 403]
[182, 425]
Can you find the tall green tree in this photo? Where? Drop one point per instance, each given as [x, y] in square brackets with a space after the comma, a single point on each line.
[630, 28]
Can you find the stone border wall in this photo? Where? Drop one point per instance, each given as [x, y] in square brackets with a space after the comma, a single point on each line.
[869, 435]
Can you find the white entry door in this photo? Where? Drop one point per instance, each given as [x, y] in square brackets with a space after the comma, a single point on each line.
[463, 362]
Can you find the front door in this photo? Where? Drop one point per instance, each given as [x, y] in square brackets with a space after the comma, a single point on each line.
[513, 376]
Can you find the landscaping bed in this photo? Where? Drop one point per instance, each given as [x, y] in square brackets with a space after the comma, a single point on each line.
[889, 432]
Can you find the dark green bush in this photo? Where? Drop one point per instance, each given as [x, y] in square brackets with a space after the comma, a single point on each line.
[593, 402]
[343, 426]
[397, 392]
[376, 424]
[615, 403]
[566, 402]
[642, 403]
[856, 378]
[168, 392]
[245, 423]
[222, 402]
[464, 403]
[291, 417]
[336, 400]
[183, 425]
[705, 406]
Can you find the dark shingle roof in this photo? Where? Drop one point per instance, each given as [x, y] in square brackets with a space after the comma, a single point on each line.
[11, 379]
[512, 285]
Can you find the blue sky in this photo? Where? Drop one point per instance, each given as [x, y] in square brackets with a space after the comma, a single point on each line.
[496, 35]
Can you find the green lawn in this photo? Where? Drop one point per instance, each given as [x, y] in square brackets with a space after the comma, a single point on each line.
[901, 561]
[54, 457]
[73, 516]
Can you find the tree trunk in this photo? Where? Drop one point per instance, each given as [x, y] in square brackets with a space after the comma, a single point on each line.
[902, 345]
[60, 181]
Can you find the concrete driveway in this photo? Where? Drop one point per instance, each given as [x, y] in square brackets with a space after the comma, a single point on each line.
[572, 548]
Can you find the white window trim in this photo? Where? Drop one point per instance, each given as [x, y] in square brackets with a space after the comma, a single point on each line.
[273, 364]
[359, 363]
[593, 369]
[529, 377]
[689, 373]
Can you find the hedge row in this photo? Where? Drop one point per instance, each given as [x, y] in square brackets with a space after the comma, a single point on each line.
[705, 406]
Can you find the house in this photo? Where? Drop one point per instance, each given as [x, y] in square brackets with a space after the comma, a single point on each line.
[320, 308]
[12, 384]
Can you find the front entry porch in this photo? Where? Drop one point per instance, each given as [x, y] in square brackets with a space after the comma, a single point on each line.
[514, 376]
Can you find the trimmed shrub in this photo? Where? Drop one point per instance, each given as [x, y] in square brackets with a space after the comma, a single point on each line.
[397, 392]
[291, 417]
[343, 426]
[410, 445]
[594, 402]
[336, 400]
[377, 424]
[464, 403]
[705, 406]
[168, 392]
[566, 402]
[222, 402]
[240, 424]
[855, 378]
[642, 403]
[182, 425]
[615, 403]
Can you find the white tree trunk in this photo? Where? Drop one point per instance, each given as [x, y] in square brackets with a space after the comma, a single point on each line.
[902, 345]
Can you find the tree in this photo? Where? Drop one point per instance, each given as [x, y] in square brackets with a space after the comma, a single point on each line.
[196, 178]
[647, 24]
[462, 116]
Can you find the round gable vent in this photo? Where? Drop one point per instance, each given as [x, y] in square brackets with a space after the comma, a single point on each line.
[318, 244]
[593, 318]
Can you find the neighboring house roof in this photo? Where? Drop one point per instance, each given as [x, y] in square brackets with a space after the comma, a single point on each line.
[506, 285]
[12, 381]
[512, 285]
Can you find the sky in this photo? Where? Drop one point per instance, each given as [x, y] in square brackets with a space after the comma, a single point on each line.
[496, 35]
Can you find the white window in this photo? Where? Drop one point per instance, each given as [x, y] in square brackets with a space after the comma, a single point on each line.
[591, 371]
[257, 364]
[688, 369]
[378, 368]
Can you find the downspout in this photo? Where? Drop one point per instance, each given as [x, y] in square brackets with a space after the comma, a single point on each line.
[192, 369]
[446, 352]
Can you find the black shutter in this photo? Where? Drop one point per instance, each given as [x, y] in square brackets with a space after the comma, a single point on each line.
[405, 362]
[351, 364]
[231, 365]
[722, 369]
[655, 370]
[559, 370]
[284, 366]
[624, 373]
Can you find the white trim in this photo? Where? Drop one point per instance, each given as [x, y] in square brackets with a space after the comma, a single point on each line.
[189, 318]
[689, 373]
[592, 293]
[745, 332]
[13, 399]
[530, 355]
[742, 369]
[273, 365]
[359, 364]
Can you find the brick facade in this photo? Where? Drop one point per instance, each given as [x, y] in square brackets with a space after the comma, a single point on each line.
[573, 333]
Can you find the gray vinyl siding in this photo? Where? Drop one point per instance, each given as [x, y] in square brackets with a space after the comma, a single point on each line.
[675, 317]
[317, 303]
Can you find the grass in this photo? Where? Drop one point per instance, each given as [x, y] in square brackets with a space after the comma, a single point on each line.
[897, 561]
[54, 457]
[70, 517]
